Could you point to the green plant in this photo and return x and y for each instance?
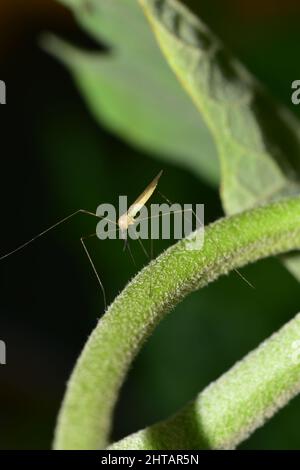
(258, 145)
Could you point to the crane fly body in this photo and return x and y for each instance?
(128, 218)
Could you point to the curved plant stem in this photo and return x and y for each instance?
(85, 418)
(230, 409)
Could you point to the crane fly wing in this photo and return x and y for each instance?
(143, 197)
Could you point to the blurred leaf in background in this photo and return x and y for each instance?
(132, 89)
(49, 299)
(258, 141)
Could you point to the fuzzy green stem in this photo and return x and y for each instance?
(85, 418)
(231, 408)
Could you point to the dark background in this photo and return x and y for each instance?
(56, 159)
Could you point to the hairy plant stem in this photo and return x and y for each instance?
(86, 414)
(227, 411)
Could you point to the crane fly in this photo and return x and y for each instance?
(123, 223)
(128, 218)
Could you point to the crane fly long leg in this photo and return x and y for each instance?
(82, 240)
(129, 251)
(151, 240)
(44, 232)
(143, 248)
(164, 213)
(235, 269)
(65, 219)
(151, 255)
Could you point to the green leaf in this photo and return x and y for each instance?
(226, 412)
(258, 141)
(292, 262)
(131, 89)
(259, 151)
(86, 414)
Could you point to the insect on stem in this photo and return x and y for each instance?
(128, 218)
(122, 225)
